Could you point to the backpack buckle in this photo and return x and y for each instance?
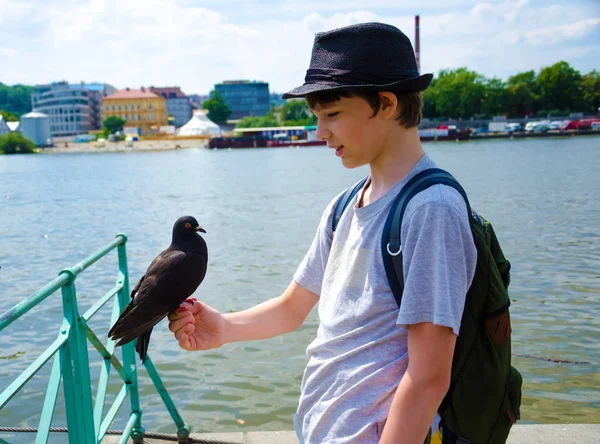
(396, 253)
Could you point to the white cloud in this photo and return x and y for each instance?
(7, 52)
(165, 42)
(557, 34)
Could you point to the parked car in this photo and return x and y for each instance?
(583, 124)
(513, 127)
(481, 130)
(572, 125)
(537, 127)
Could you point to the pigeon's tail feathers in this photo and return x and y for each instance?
(116, 330)
(129, 329)
(134, 321)
(126, 339)
(141, 345)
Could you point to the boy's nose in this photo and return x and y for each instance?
(322, 133)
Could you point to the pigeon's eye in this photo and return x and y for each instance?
(188, 225)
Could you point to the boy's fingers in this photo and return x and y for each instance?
(180, 321)
(179, 311)
(184, 342)
(184, 331)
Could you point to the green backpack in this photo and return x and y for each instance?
(485, 390)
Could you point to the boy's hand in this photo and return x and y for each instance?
(197, 326)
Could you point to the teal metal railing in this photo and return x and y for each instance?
(85, 420)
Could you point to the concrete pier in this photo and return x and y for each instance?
(520, 434)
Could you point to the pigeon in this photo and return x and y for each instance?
(171, 279)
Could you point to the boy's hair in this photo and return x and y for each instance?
(410, 104)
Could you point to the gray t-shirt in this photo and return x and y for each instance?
(360, 353)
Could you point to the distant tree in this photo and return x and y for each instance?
(269, 120)
(495, 99)
(16, 143)
(460, 93)
(521, 99)
(429, 101)
(112, 124)
(249, 122)
(296, 113)
(590, 88)
(559, 87)
(9, 117)
(527, 77)
(16, 99)
(295, 109)
(218, 111)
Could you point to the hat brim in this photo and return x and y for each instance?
(415, 84)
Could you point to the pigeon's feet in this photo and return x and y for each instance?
(189, 301)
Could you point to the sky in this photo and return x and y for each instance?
(197, 43)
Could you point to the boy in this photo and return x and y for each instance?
(360, 385)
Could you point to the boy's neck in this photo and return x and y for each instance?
(394, 163)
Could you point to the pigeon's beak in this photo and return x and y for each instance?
(200, 229)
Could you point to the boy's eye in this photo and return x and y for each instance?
(330, 115)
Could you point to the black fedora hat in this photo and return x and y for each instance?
(366, 56)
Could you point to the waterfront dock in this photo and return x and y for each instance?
(520, 434)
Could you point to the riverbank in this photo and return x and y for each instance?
(175, 144)
(525, 135)
(122, 146)
(520, 434)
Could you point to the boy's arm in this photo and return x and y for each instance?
(199, 327)
(422, 388)
(271, 318)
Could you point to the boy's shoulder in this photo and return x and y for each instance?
(442, 197)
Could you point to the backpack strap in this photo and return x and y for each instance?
(391, 247)
(343, 202)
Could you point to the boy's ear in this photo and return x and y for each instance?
(389, 104)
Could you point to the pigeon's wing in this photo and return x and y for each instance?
(171, 278)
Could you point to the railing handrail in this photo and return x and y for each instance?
(71, 363)
(14, 313)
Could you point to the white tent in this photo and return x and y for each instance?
(199, 125)
(14, 126)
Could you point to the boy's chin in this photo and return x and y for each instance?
(351, 164)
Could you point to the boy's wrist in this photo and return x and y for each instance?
(228, 328)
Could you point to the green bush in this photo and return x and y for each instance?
(557, 113)
(16, 143)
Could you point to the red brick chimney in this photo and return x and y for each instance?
(417, 43)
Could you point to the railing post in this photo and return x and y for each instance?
(128, 350)
(76, 371)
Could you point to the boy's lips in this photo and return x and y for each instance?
(338, 150)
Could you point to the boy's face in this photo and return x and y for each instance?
(349, 127)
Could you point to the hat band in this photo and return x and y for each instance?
(329, 76)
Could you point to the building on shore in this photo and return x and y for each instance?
(96, 92)
(36, 127)
(245, 97)
(198, 99)
(72, 108)
(139, 108)
(179, 107)
(4, 128)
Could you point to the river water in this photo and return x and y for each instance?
(260, 208)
